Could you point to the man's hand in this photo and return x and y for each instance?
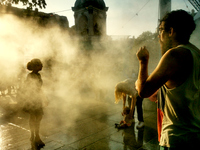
(143, 57)
(143, 54)
(153, 97)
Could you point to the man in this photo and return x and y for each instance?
(177, 76)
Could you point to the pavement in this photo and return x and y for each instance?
(78, 125)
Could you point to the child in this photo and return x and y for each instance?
(127, 121)
(33, 104)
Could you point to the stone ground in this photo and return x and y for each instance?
(78, 125)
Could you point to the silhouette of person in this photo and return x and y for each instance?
(34, 104)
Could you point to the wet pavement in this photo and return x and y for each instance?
(79, 125)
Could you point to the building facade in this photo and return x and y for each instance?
(41, 18)
(90, 17)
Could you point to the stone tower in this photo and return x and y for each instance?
(90, 17)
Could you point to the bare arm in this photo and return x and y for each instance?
(153, 97)
(172, 70)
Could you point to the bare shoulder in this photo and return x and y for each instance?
(180, 53)
(178, 57)
(181, 61)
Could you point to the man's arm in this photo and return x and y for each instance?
(153, 97)
(172, 70)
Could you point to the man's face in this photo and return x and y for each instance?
(164, 39)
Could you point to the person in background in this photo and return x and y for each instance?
(34, 98)
(177, 76)
(122, 89)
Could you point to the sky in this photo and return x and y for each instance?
(124, 17)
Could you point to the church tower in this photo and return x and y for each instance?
(90, 17)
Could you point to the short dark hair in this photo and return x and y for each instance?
(182, 23)
(31, 65)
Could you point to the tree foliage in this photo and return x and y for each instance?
(151, 41)
(146, 37)
(29, 3)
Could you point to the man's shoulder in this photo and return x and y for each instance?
(179, 50)
(188, 47)
(180, 53)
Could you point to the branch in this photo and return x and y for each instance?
(29, 3)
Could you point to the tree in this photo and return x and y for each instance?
(151, 41)
(146, 37)
(29, 3)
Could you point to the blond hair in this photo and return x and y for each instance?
(126, 87)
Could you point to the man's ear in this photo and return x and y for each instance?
(171, 31)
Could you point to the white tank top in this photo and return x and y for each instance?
(181, 105)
